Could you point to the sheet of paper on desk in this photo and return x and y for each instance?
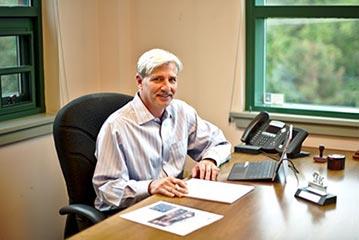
(216, 191)
(171, 217)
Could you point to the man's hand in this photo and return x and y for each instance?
(205, 169)
(168, 186)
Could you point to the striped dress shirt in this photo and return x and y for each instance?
(133, 148)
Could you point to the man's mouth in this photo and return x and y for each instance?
(165, 95)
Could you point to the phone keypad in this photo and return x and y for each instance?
(264, 140)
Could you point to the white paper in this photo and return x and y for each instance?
(171, 217)
(216, 191)
(309, 196)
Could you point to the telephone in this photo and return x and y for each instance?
(264, 134)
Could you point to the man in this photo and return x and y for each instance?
(141, 148)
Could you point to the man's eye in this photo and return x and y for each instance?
(156, 79)
(173, 80)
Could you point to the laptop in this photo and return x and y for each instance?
(264, 170)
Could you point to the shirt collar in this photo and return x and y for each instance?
(143, 115)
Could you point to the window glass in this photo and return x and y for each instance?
(15, 89)
(10, 85)
(9, 51)
(303, 59)
(21, 75)
(312, 62)
(15, 51)
(13, 3)
(312, 2)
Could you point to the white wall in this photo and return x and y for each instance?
(101, 41)
(204, 35)
(32, 190)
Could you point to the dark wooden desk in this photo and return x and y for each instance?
(269, 212)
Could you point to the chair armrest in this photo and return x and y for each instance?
(86, 211)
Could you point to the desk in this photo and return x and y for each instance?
(270, 211)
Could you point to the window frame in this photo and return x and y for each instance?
(256, 13)
(25, 21)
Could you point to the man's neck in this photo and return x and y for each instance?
(158, 114)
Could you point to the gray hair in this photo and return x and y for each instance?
(154, 58)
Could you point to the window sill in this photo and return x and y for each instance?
(25, 128)
(314, 125)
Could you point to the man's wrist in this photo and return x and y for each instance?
(149, 187)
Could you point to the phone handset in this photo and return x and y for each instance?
(255, 124)
(266, 135)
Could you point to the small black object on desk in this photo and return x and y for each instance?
(320, 158)
(356, 155)
(316, 191)
(336, 161)
(241, 148)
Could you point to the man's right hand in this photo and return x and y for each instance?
(168, 186)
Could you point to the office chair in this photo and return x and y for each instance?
(75, 130)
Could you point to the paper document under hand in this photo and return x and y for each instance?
(216, 191)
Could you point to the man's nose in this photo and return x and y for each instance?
(166, 85)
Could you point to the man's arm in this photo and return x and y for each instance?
(209, 147)
(111, 180)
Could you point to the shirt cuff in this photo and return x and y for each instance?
(142, 188)
(211, 159)
(220, 154)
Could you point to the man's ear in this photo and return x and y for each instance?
(139, 81)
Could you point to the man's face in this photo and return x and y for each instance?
(158, 89)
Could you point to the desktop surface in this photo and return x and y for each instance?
(270, 211)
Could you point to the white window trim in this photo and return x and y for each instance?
(16, 130)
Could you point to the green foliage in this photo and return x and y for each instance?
(309, 2)
(8, 58)
(14, 2)
(313, 61)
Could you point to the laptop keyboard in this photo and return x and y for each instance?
(259, 169)
(254, 170)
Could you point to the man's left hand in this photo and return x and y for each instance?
(205, 169)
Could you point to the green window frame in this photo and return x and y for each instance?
(256, 14)
(22, 24)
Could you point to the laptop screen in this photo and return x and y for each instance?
(281, 164)
(288, 138)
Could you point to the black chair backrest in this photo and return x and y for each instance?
(75, 130)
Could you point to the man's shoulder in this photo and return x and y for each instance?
(180, 108)
(121, 115)
(180, 104)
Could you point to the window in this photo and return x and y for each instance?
(303, 57)
(21, 76)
